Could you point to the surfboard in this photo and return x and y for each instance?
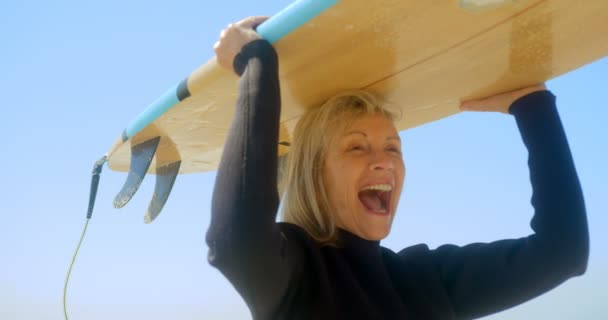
(422, 56)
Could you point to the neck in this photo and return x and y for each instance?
(347, 239)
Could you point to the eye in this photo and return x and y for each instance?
(355, 147)
(394, 149)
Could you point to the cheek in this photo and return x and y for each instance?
(336, 177)
(338, 180)
(331, 180)
(400, 175)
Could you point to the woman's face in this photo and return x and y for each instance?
(363, 176)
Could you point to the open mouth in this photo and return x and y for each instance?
(376, 198)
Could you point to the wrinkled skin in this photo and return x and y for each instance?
(368, 153)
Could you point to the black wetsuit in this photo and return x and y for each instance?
(282, 273)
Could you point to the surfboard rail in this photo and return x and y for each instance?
(143, 152)
(423, 56)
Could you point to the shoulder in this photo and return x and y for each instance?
(296, 241)
(416, 251)
(294, 232)
(420, 259)
(416, 255)
(415, 274)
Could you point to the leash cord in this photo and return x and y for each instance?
(92, 195)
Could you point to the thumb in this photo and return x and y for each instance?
(469, 105)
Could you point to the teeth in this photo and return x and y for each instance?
(380, 187)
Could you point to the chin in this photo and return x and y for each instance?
(377, 235)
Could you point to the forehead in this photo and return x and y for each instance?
(372, 124)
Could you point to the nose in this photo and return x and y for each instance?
(382, 161)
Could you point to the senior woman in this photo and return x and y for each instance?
(344, 177)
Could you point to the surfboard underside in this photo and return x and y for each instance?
(423, 57)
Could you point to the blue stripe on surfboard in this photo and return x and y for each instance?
(272, 30)
(152, 112)
(291, 18)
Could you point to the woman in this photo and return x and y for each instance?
(342, 187)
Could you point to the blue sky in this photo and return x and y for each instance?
(74, 73)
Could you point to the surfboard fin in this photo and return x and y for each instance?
(141, 157)
(165, 178)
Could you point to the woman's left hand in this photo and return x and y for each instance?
(500, 102)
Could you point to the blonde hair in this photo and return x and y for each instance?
(305, 198)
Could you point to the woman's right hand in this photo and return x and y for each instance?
(233, 38)
(500, 102)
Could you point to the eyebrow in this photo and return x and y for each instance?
(365, 135)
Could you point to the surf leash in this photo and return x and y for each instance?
(92, 196)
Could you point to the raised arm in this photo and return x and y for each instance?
(485, 278)
(244, 241)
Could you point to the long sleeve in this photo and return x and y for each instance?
(484, 278)
(244, 241)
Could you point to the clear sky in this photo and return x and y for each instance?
(73, 73)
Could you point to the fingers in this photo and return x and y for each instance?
(465, 106)
(500, 102)
(252, 22)
(476, 105)
(539, 87)
(247, 23)
(234, 37)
